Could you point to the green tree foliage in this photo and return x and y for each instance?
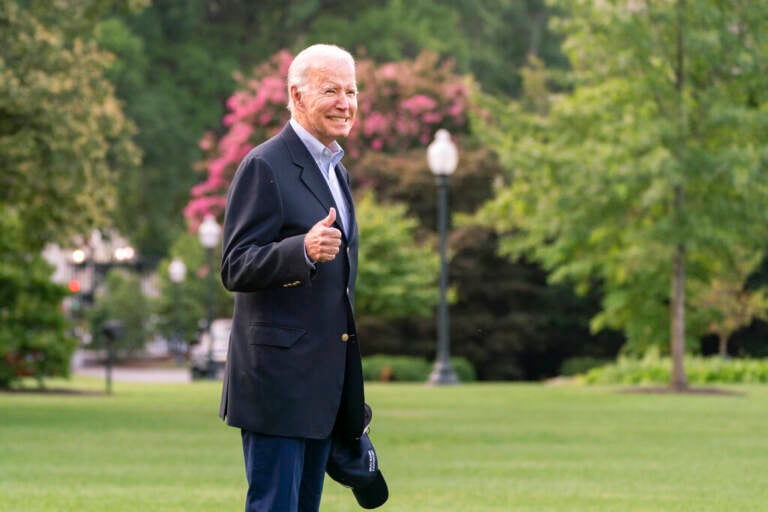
(63, 136)
(398, 277)
(173, 85)
(121, 299)
(509, 321)
(191, 293)
(490, 39)
(728, 303)
(33, 330)
(655, 162)
(500, 36)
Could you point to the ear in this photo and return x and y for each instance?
(296, 97)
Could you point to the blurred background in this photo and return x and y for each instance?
(610, 196)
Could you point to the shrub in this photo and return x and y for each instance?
(410, 369)
(699, 370)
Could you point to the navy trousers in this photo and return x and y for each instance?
(284, 474)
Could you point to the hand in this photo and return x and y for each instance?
(322, 242)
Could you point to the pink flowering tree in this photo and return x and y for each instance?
(401, 105)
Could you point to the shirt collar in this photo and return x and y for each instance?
(324, 156)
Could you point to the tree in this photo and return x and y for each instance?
(729, 303)
(499, 37)
(33, 330)
(398, 277)
(651, 165)
(63, 136)
(192, 292)
(121, 299)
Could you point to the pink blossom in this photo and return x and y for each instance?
(419, 103)
(216, 167)
(388, 71)
(376, 122)
(229, 119)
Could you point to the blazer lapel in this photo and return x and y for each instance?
(310, 175)
(341, 173)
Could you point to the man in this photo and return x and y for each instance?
(293, 377)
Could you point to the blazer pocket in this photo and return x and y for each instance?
(274, 336)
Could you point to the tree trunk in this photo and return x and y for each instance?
(677, 304)
(722, 346)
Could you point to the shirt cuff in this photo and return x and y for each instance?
(306, 257)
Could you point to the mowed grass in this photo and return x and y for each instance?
(481, 447)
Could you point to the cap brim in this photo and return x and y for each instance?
(374, 494)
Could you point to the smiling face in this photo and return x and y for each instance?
(326, 106)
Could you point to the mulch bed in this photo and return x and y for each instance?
(667, 390)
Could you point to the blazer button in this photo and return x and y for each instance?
(345, 337)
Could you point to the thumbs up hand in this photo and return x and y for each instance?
(322, 242)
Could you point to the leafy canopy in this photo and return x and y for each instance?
(63, 135)
(593, 172)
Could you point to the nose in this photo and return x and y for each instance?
(344, 101)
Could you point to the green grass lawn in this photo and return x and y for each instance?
(482, 447)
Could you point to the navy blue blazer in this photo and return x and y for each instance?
(294, 363)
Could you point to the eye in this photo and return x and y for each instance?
(352, 93)
(329, 91)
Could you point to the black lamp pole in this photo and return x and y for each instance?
(442, 157)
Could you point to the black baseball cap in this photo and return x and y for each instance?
(353, 463)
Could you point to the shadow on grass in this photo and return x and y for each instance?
(53, 391)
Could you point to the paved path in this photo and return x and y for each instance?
(128, 374)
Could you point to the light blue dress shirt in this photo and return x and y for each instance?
(326, 158)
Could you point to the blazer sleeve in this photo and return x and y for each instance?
(255, 256)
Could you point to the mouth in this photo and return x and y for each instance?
(338, 119)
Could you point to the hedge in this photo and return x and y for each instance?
(699, 370)
(410, 368)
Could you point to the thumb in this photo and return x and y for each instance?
(330, 219)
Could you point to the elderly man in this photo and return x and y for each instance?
(293, 377)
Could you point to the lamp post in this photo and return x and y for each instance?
(442, 157)
(177, 270)
(98, 256)
(209, 233)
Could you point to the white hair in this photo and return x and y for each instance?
(307, 59)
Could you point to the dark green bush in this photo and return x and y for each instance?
(578, 365)
(410, 368)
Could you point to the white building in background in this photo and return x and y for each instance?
(79, 261)
(76, 267)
